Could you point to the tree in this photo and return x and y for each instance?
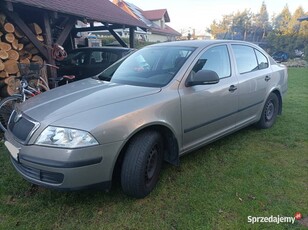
(285, 32)
(262, 23)
(294, 25)
(281, 24)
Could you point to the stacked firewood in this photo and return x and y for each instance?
(15, 48)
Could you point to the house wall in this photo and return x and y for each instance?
(160, 23)
(159, 38)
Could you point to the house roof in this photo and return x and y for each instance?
(156, 14)
(96, 10)
(166, 31)
(147, 17)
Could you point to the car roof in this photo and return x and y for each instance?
(203, 43)
(102, 48)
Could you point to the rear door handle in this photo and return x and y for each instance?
(267, 78)
(232, 88)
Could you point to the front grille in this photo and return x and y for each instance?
(22, 127)
(37, 174)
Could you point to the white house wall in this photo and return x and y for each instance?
(159, 38)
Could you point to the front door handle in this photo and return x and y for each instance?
(267, 78)
(232, 88)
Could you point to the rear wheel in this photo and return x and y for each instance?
(269, 112)
(142, 164)
(7, 105)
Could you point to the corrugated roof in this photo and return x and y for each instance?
(97, 10)
(156, 14)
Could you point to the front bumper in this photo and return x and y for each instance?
(64, 169)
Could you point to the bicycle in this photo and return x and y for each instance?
(31, 84)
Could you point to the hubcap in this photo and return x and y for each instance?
(151, 164)
(269, 112)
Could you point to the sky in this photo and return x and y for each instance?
(186, 15)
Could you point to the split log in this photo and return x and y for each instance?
(18, 33)
(9, 37)
(5, 46)
(6, 91)
(9, 27)
(36, 29)
(13, 55)
(3, 74)
(40, 38)
(15, 44)
(31, 49)
(24, 54)
(25, 61)
(37, 59)
(11, 82)
(20, 46)
(10, 66)
(1, 65)
(4, 55)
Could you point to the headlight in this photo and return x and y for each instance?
(65, 138)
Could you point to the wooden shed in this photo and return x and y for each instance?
(29, 29)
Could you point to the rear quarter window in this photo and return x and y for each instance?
(262, 60)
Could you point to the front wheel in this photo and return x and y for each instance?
(142, 164)
(7, 105)
(269, 112)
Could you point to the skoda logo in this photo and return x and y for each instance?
(17, 117)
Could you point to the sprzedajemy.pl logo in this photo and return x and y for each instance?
(274, 219)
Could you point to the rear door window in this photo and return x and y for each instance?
(246, 60)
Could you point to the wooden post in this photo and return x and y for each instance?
(132, 37)
(117, 37)
(52, 71)
(66, 31)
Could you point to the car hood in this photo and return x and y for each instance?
(80, 96)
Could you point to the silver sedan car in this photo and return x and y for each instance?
(159, 103)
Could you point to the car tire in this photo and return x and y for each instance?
(142, 164)
(269, 112)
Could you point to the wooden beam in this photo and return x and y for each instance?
(26, 30)
(132, 37)
(97, 28)
(50, 60)
(118, 38)
(66, 31)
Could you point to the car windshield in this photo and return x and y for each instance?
(151, 66)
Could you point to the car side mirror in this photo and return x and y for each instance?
(203, 77)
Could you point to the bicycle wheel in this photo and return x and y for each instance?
(7, 105)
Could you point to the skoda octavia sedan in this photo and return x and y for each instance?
(157, 104)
